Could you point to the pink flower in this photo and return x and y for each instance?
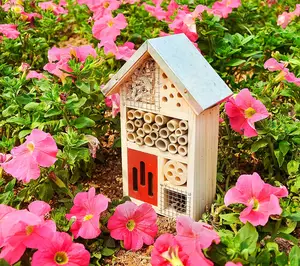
(57, 9)
(5, 157)
(60, 250)
(271, 2)
(24, 67)
(87, 209)
(108, 28)
(114, 102)
(4, 210)
(194, 236)
(156, 11)
(284, 19)
(124, 51)
(230, 263)
(39, 149)
(272, 65)
(290, 77)
(244, 111)
(261, 199)
(30, 16)
(82, 52)
(103, 7)
(133, 224)
(22, 228)
(224, 8)
(33, 74)
(9, 31)
(167, 252)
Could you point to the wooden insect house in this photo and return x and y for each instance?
(169, 97)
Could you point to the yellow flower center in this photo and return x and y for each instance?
(171, 255)
(130, 225)
(88, 217)
(110, 23)
(29, 230)
(17, 9)
(61, 258)
(106, 4)
(30, 146)
(249, 112)
(255, 204)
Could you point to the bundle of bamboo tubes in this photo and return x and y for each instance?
(162, 132)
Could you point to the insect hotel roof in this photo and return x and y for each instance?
(194, 77)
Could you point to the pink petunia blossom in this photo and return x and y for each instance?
(243, 111)
(87, 209)
(133, 224)
(167, 252)
(156, 11)
(4, 210)
(60, 250)
(108, 28)
(224, 8)
(230, 263)
(290, 77)
(60, 57)
(261, 199)
(5, 157)
(30, 16)
(285, 18)
(39, 149)
(9, 30)
(272, 65)
(34, 75)
(22, 229)
(104, 7)
(24, 67)
(194, 236)
(56, 9)
(113, 101)
(124, 51)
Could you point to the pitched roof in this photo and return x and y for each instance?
(184, 65)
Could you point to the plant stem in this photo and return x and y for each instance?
(228, 133)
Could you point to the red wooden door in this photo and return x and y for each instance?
(142, 176)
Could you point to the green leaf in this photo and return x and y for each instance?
(231, 218)
(292, 167)
(9, 111)
(10, 185)
(294, 256)
(53, 112)
(279, 156)
(85, 87)
(259, 144)
(24, 133)
(83, 122)
(45, 191)
(19, 121)
(263, 259)
(289, 238)
(246, 239)
(31, 106)
(107, 252)
(235, 62)
(4, 263)
(284, 147)
(282, 259)
(24, 99)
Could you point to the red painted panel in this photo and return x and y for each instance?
(142, 176)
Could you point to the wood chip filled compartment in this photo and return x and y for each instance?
(155, 130)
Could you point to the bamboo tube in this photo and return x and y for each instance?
(140, 132)
(173, 138)
(183, 140)
(139, 140)
(173, 124)
(148, 141)
(156, 127)
(131, 136)
(130, 114)
(164, 133)
(130, 127)
(161, 120)
(173, 148)
(184, 125)
(182, 150)
(154, 135)
(180, 132)
(149, 118)
(138, 122)
(139, 114)
(162, 144)
(147, 128)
